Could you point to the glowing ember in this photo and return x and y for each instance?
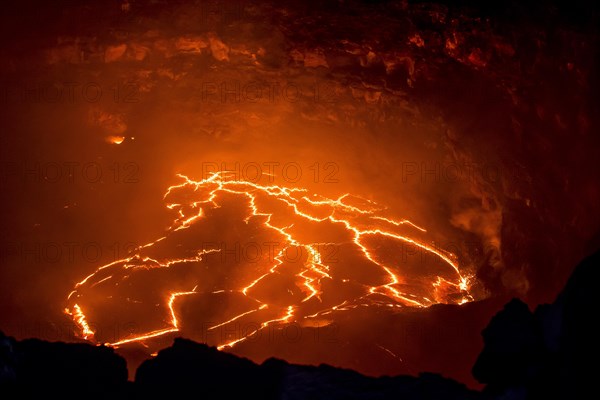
(346, 254)
(115, 139)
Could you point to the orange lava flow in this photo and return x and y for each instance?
(79, 318)
(359, 223)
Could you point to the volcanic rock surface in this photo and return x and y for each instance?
(476, 119)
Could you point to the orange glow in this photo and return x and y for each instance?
(79, 318)
(359, 223)
(115, 139)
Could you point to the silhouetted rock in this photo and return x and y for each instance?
(329, 383)
(578, 340)
(32, 367)
(7, 360)
(512, 348)
(189, 367)
(548, 353)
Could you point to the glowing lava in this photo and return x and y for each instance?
(115, 139)
(346, 255)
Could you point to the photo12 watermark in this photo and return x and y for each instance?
(70, 92)
(269, 171)
(69, 172)
(65, 252)
(237, 91)
(270, 252)
(455, 172)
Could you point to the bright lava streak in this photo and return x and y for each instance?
(358, 222)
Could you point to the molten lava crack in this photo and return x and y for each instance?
(346, 254)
